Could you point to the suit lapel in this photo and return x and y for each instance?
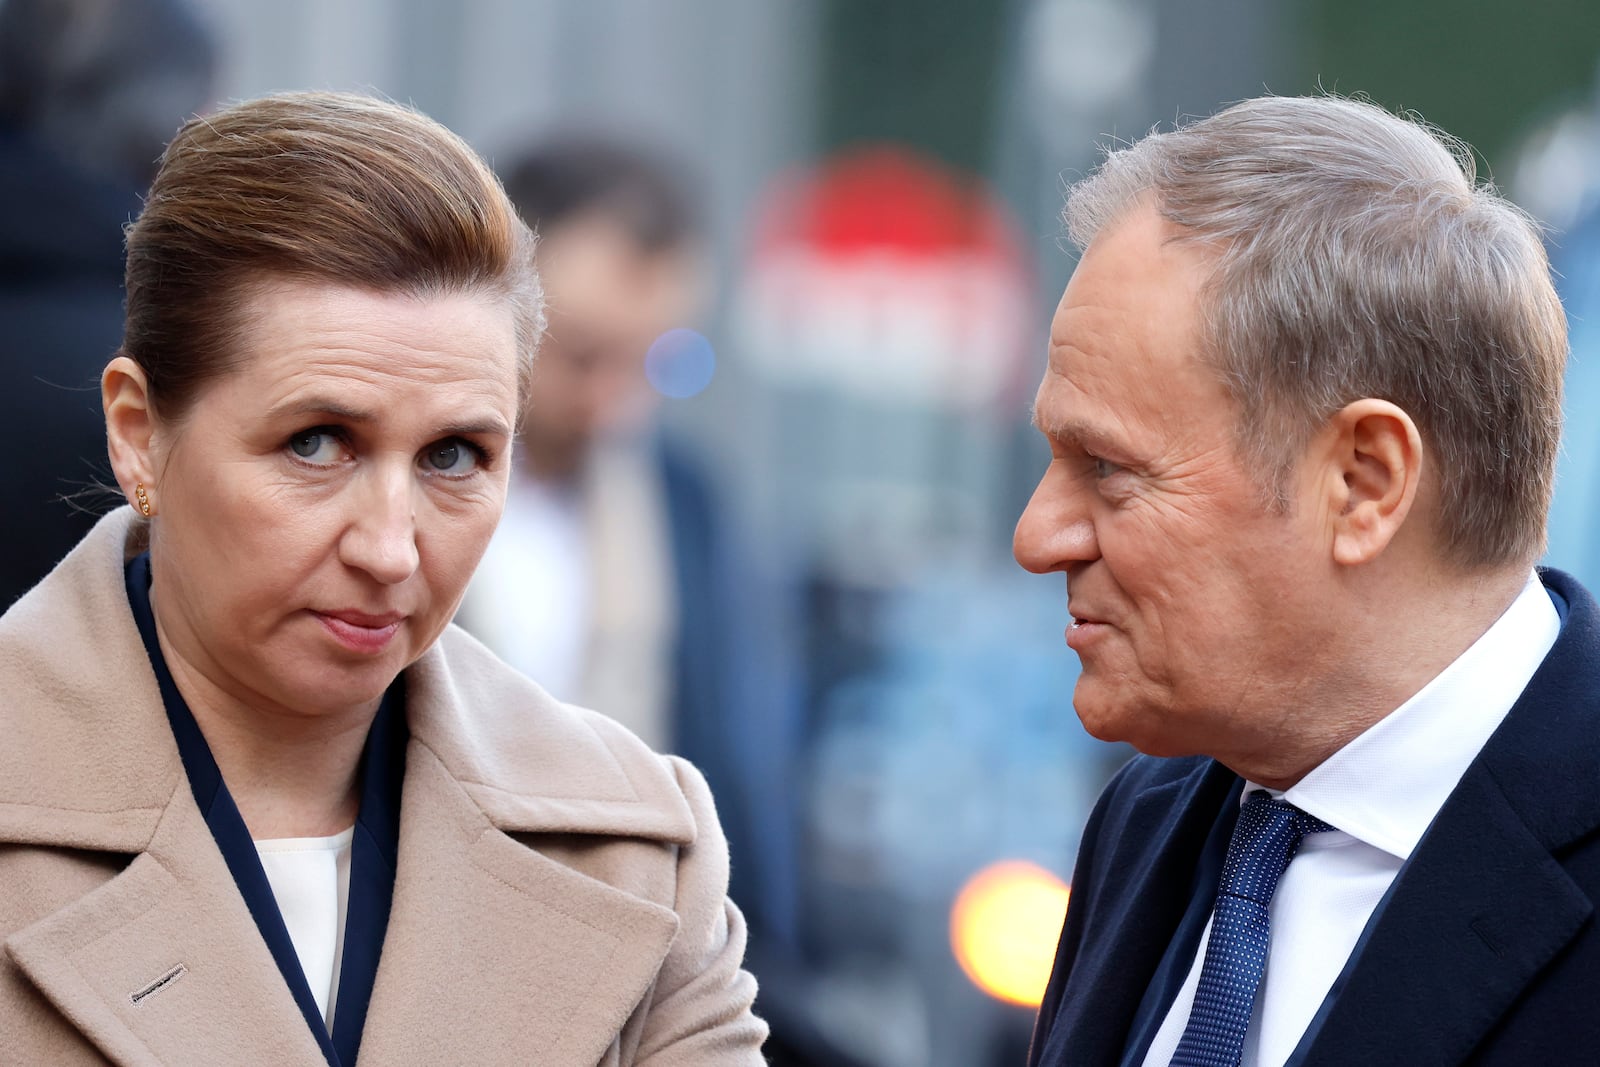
(1141, 892)
(1484, 905)
(163, 964)
(1467, 926)
(497, 949)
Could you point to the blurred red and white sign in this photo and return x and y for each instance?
(882, 273)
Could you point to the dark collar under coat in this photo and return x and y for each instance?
(1484, 950)
(374, 844)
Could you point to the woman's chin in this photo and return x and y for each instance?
(332, 693)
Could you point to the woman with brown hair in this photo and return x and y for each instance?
(259, 801)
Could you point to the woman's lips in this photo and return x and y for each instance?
(359, 631)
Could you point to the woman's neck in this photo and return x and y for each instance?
(289, 775)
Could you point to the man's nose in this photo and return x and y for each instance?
(1056, 529)
(381, 538)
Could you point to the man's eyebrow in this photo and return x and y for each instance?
(1059, 428)
(1073, 431)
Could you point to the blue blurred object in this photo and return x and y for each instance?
(1575, 512)
(680, 363)
(967, 733)
(948, 743)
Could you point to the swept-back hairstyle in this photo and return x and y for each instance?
(331, 187)
(1356, 255)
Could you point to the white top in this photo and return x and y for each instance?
(1381, 791)
(529, 600)
(310, 877)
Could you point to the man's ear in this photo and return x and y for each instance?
(130, 424)
(1373, 468)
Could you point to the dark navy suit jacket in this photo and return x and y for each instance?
(736, 696)
(1484, 951)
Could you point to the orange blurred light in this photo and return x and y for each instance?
(1003, 929)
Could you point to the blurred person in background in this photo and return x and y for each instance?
(259, 801)
(1303, 402)
(615, 577)
(607, 534)
(90, 90)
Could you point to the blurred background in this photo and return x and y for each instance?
(802, 258)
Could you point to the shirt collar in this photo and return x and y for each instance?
(1386, 786)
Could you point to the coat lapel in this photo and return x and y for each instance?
(163, 964)
(497, 948)
(494, 950)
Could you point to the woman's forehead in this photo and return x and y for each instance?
(316, 346)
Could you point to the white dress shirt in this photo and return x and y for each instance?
(310, 878)
(1380, 792)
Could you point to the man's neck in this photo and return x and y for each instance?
(1413, 633)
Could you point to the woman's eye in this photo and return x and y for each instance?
(318, 447)
(451, 457)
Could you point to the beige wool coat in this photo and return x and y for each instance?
(560, 896)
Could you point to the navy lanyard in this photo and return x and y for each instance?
(374, 846)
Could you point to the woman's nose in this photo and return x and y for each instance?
(381, 537)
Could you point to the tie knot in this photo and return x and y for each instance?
(1265, 839)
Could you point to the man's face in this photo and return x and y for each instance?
(1193, 601)
(608, 299)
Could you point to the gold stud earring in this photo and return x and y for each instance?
(144, 499)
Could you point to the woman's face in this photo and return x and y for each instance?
(320, 508)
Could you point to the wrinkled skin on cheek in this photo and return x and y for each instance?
(1195, 599)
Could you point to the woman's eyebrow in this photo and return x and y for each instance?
(488, 427)
(327, 407)
(318, 405)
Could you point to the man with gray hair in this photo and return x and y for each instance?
(1303, 407)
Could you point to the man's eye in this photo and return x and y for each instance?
(451, 457)
(320, 447)
(1104, 468)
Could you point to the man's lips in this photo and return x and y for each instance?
(1085, 629)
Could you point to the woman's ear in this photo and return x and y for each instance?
(130, 425)
(1376, 462)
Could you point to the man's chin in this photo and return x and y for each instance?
(1107, 718)
(1103, 722)
(1103, 711)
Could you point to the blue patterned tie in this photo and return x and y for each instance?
(1264, 841)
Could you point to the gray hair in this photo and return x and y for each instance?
(1357, 255)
